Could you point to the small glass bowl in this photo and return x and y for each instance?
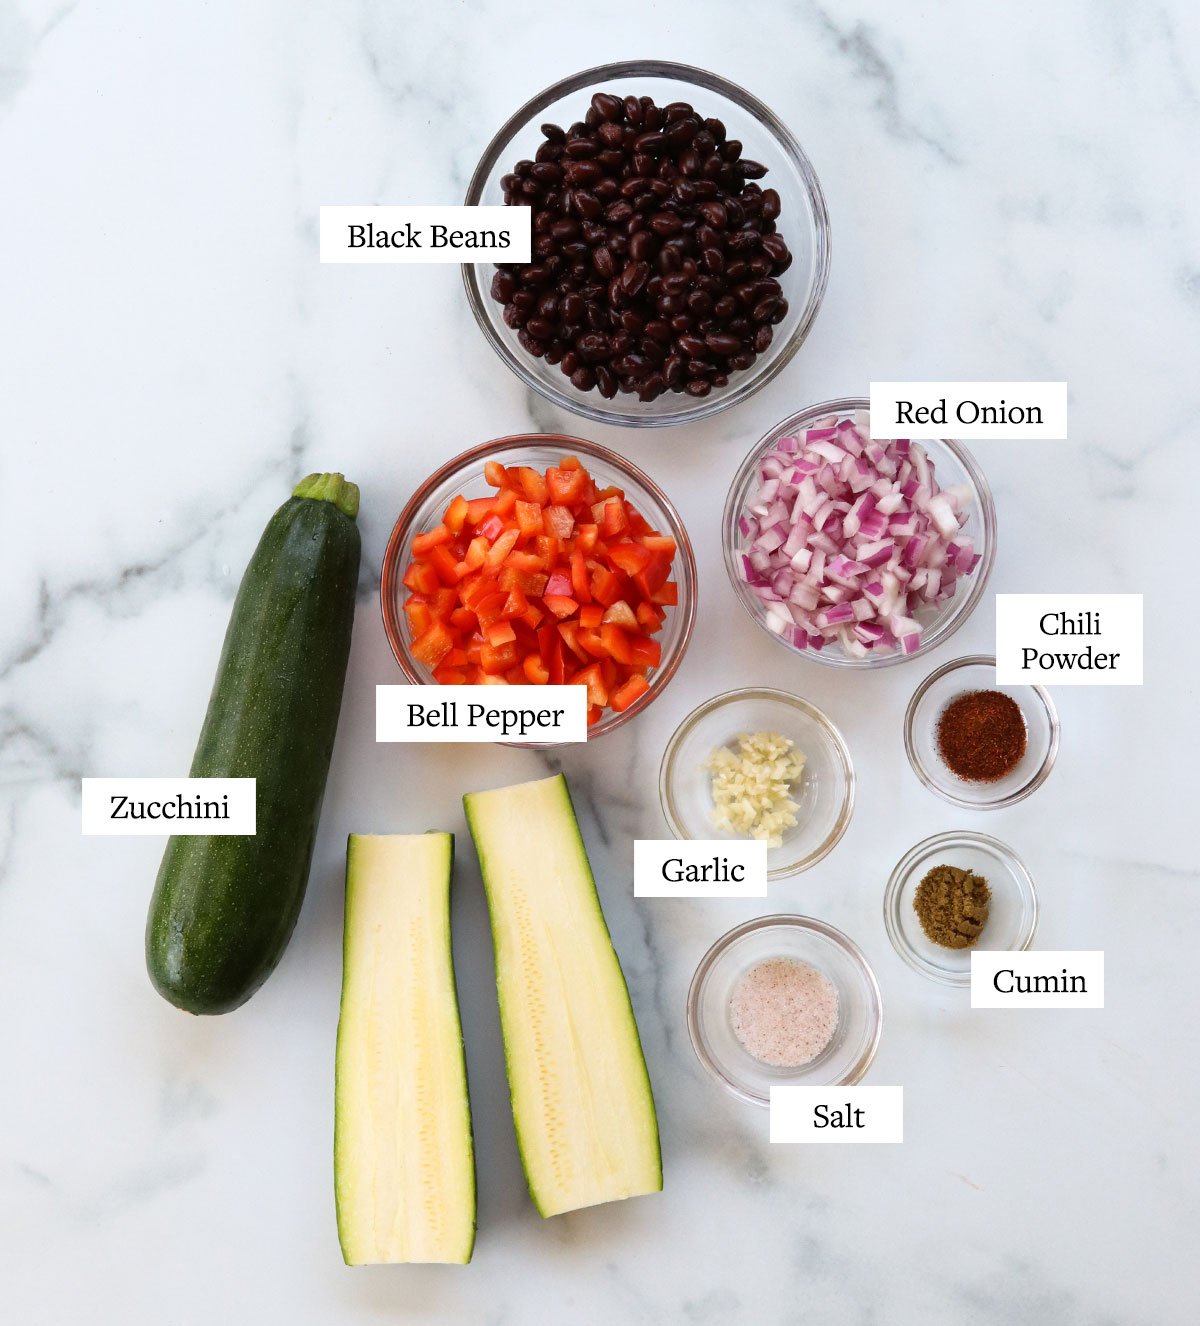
(978, 673)
(825, 795)
(955, 465)
(848, 1055)
(465, 474)
(803, 222)
(1012, 915)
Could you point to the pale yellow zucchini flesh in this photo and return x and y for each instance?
(581, 1095)
(403, 1156)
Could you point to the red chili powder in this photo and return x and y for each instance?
(981, 735)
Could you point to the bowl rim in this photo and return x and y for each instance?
(701, 711)
(926, 775)
(901, 871)
(784, 920)
(694, 409)
(960, 608)
(563, 442)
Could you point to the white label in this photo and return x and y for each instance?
(1028, 410)
(699, 868)
(1038, 979)
(522, 715)
(837, 1114)
(1069, 639)
(425, 234)
(144, 807)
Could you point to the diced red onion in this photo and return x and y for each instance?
(850, 541)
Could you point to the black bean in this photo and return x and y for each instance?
(742, 360)
(586, 204)
(641, 246)
(604, 262)
(593, 347)
(608, 107)
(504, 285)
(606, 381)
(770, 205)
(582, 172)
(583, 379)
(665, 223)
(542, 328)
(752, 170)
(723, 343)
(553, 133)
(698, 387)
(765, 310)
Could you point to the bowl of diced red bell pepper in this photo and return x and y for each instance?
(542, 559)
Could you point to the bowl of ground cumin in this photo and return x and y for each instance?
(956, 892)
(978, 744)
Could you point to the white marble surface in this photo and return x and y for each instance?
(1008, 192)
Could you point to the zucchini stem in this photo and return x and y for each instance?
(335, 488)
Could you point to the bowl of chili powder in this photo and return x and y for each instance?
(977, 744)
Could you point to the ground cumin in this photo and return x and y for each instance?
(952, 906)
(981, 735)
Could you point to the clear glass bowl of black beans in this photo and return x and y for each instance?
(680, 244)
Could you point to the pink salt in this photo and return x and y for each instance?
(784, 1012)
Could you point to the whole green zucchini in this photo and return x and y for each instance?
(224, 907)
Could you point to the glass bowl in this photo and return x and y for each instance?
(978, 673)
(843, 1062)
(803, 222)
(465, 474)
(955, 465)
(1012, 916)
(825, 794)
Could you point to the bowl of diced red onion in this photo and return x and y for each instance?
(854, 551)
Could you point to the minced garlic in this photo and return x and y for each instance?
(752, 785)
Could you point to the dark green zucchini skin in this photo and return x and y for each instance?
(224, 908)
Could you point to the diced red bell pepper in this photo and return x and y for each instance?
(536, 672)
(559, 521)
(420, 618)
(529, 519)
(628, 692)
(632, 558)
(560, 605)
(500, 633)
(493, 472)
(591, 615)
(501, 548)
(431, 646)
(647, 653)
(653, 575)
(421, 578)
(622, 615)
(618, 645)
(456, 514)
(565, 485)
(559, 584)
(533, 485)
(425, 543)
(593, 679)
(605, 586)
(496, 659)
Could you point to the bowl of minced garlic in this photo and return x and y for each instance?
(762, 765)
